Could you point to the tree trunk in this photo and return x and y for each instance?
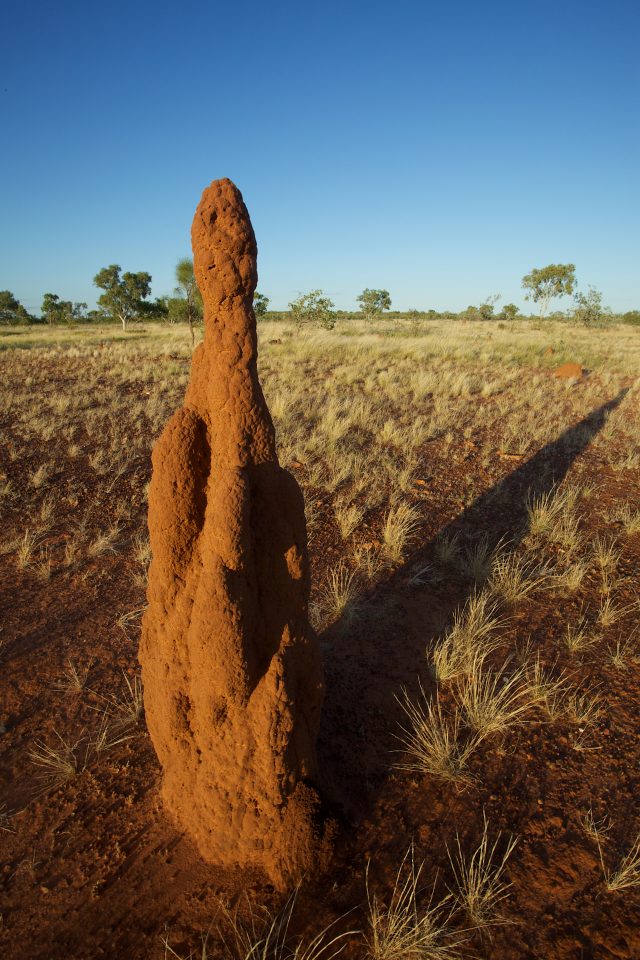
(190, 319)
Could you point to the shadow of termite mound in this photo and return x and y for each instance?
(233, 681)
(377, 650)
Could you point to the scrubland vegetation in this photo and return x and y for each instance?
(474, 528)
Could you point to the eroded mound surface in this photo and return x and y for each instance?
(232, 672)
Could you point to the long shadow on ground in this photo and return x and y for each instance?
(370, 657)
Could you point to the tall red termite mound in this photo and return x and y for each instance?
(232, 674)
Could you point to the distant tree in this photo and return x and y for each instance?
(487, 307)
(176, 308)
(11, 310)
(187, 305)
(50, 307)
(55, 310)
(260, 304)
(588, 308)
(8, 306)
(124, 296)
(373, 302)
(154, 309)
(313, 308)
(485, 311)
(547, 283)
(510, 311)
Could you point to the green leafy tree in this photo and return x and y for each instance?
(487, 307)
(187, 305)
(510, 311)
(482, 312)
(260, 304)
(11, 310)
(547, 283)
(50, 307)
(588, 308)
(55, 310)
(124, 296)
(154, 309)
(373, 302)
(313, 308)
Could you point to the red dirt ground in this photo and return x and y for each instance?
(93, 869)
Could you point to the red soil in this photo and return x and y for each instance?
(95, 869)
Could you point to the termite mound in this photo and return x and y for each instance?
(232, 674)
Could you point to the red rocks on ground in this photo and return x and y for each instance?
(232, 673)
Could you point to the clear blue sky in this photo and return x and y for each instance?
(439, 150)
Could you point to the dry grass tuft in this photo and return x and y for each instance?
(340, 591)
(479, 560)
(74, 678)
(609, 612)
(432, 744)
(624, 653)
(26, 547)
(129, 706)
(629, 518)
(105, 542)
(400, 527)
(627, 872)
(40, 476)
(142, 550)
(570, 578)
(592, 827)
(493, 702)
(470, 640)
(448, 549)
(582, 708)
(479, 879)
(513, 579)
(545, 690)
(578, 637)
(109, 735)
(400, 929)
(58, 763)
(544, 511)
(605, 555)
(265, 936)
(348, 517)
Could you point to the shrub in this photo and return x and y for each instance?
(313, 308)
